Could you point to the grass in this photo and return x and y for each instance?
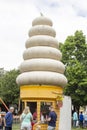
(78, 129)
(17, 127)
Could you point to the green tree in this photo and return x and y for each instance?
(74, 52)
(8, 88)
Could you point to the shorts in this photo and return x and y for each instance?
(50, 128)
(1, 127)
(26, 127)
(8, 128)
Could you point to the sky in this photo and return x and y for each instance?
(16, 18)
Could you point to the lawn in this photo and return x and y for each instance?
(79, 129)
(17, 127)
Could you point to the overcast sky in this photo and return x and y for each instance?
(16, 19)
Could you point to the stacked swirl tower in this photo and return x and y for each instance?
(42, 71)
(42, 57)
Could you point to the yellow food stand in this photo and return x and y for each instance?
(41, 80)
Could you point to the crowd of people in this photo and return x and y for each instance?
(79, 120)
(27, 119)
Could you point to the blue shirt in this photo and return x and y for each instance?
(53, 117)
(9, 119)
(81, 118)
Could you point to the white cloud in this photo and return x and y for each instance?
(16, 19)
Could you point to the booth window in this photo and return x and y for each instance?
(33, 106)
(45, 110)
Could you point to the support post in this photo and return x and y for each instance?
(25, 104)
(38, 110)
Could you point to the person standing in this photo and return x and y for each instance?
(1, 126)
(0, 110)
(75, 119)
(9, 119)
(26, 119)
(35, 115)
(51, 119)
(81, 118)
(85, 120)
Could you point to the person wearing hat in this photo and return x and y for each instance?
(9, 119)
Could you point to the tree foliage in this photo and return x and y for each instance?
(74, 52)
(9, 90)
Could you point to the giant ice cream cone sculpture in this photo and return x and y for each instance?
(41, 77)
